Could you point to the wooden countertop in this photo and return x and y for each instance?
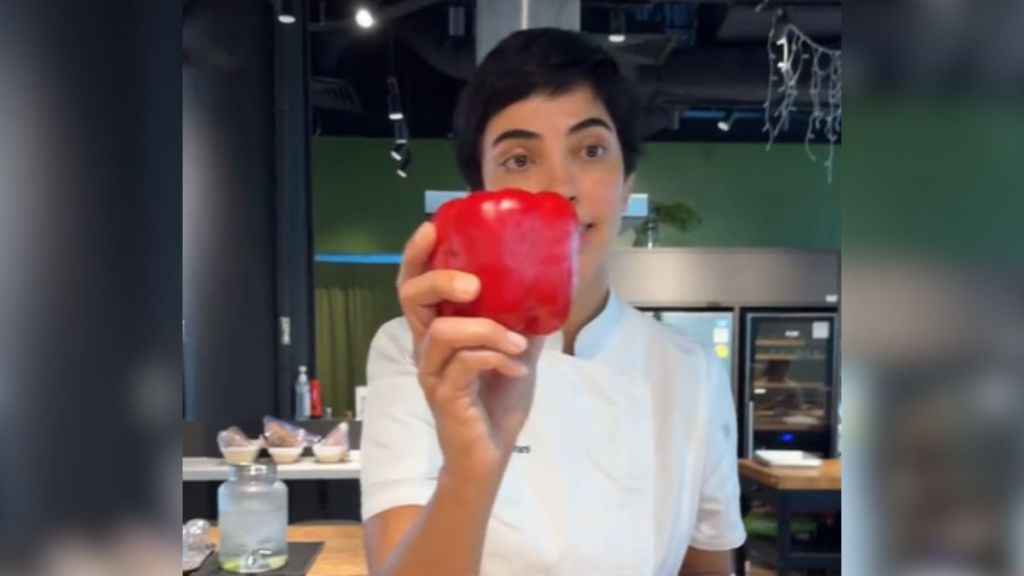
(828, 476)
(342, 554)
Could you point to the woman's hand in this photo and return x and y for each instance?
(478, 377)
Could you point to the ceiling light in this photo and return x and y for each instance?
(617, 26)
(394, 101)
(398, 152)
(364, 18)
(726, 124)
(285, 11)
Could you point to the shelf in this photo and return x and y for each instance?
(780, 342)
(769, 357)
(790, 385)
(787, 427)
(801, 555)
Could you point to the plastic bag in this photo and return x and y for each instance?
(334, 447)
(234, 438)
(279, 433)
(338, 436)
(195, 544)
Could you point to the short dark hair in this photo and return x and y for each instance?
(542, 61)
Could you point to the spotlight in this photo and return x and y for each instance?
(398, 152)
(401, 132)
(394, 101)
(403, 167)
(285, 11)
(618, 26)
(726, 124)
(364, 18)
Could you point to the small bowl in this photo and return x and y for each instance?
(328, 454)
(240, 454)
(286, 454)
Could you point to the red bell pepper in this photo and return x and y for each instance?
(524, 249)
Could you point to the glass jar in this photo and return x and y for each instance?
(252, 512)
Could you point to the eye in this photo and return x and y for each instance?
(516, 163)
(594, 151)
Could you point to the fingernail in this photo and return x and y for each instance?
(421, 229)
(517, 340)
(467, 286)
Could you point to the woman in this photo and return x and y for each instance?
(607, 448)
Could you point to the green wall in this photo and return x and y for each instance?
(745, 195)
(942, 179)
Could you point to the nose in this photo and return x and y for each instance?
(562, 181)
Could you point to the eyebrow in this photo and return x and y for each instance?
(590, 123)
(519, 134)
(515, 135)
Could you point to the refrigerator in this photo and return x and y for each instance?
(789, 382)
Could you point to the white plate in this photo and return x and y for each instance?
(786, 458)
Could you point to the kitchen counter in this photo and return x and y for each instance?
(307, 468)
(828, 476)
(791, 491)
(342, 554)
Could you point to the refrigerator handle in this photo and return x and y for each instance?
(750, 429)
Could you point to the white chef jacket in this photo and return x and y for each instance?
(628, 456)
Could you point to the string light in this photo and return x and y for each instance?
(791, 53)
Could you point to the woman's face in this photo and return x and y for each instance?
(565, 144)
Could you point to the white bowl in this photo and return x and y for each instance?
(286, 454)
(328, 454)
(240, 454)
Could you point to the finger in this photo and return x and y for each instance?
(534, 347)
(420, 294)
(416, 254)
(445, 336)
(466, 365)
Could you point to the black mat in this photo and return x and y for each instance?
(301, 556)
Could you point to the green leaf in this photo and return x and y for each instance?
(678, 215)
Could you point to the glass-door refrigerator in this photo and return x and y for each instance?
(789, 388)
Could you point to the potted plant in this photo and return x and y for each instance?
(678, 215)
